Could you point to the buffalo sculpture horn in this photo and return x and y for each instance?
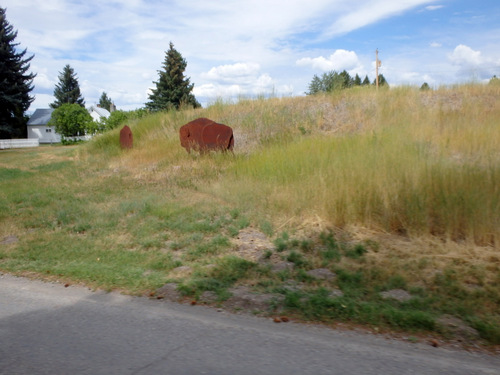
(205, 135)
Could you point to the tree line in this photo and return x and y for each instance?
(333, 81)
(173, 90)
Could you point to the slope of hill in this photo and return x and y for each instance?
(380, 208)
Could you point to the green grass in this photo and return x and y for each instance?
(391, 190)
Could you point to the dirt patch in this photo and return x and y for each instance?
(9, 240)
(252, 244)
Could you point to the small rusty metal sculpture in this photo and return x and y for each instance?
(126, 138)
(205, 135)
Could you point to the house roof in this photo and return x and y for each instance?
(102, 112)
(41, 116)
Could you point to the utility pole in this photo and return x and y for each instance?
(378, 63)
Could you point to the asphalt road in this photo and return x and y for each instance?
(46, 328)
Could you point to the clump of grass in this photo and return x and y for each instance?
(227, 271)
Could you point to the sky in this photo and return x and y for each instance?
(237, 48)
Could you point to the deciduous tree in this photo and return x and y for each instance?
(71, 120)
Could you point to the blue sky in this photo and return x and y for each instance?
(245, 48)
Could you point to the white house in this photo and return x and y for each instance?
(98, 113)
(38, 128)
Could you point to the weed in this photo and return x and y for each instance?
(267, 254)
(267, 228)
(356, 252)
(306, 245)
(297, 259)
(281, 242)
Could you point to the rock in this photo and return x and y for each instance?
(335, 293)
(457, 327)
(9, 240)
(251, 244)
(208, 297)
(397, 294)
(243, 299)
(322, 273)
(180, 271)
(168, 291)
(282, 266)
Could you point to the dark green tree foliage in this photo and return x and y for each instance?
(332, 81)
(381, 81)
(425, 87)
(105, 102)
(357, 80)
(16, 83)
(366, 81)
(67, 91)
(71, 120)
(173, 89)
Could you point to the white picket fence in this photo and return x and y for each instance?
(18, 143)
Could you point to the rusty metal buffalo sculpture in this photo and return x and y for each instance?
(204, 135)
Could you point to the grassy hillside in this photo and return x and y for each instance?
(391, 189)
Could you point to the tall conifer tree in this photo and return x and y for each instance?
(173, 89)
(67, 91)
(16, 83)
(105, 101)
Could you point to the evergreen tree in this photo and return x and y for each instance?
(357, 80)
(315, 86)
(15, 83)
(67, 91)
(346, 81)
(105, 102)
(425, 87)
(173, 89)
(330, 81)
(366, 81)
(381, 81)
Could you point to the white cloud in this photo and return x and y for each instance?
(339, 60)
(464, 55)
(435, 45)
(233, 80)
(433, 7)
(472, 64)
(355, 17)
(229, 73)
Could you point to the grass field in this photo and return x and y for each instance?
(396, 189)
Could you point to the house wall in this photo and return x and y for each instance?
(45, 134)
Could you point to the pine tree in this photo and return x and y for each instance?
(105, 102)
(425, 87)
(381, 81)
(315, 86)
(15, 83)
(357, 80)
(366, 81)
(347, 80)
(67, 91)
(173, 89)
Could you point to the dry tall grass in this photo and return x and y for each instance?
(401, 161)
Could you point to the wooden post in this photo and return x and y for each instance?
(378, 63)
